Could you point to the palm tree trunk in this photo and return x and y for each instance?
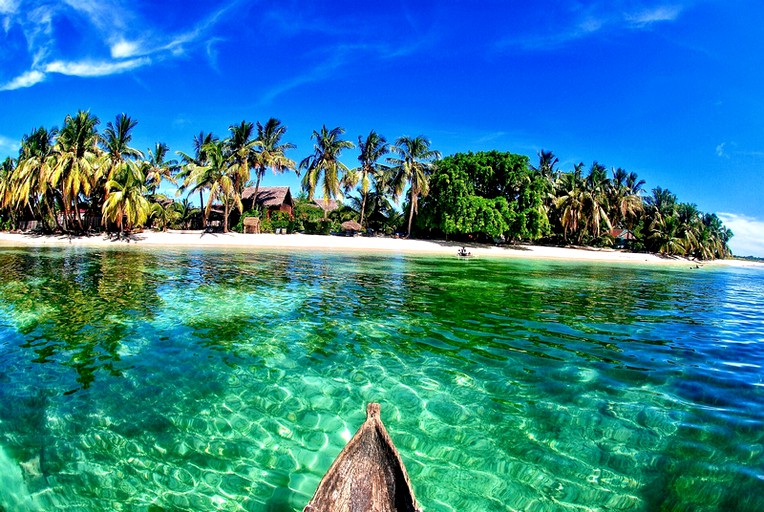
(411, 212)
(225, 216)
(363, 208)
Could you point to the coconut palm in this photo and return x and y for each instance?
(30, 180)
(191, 163)
(569, 201)
(220, 176)
(157, 168)
(240, 149)
(116, 144)
(595, 204)
(324, 163)
(372, 149)
(77, 159)
(126, 204)
(270, 152)
(412, 168)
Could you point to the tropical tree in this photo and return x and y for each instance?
(624, 198)
(240, 151)
(595, 200)
(372, 149)
(270, 152)
(157, 167)
(77, 159)
(28, 184)
(324, 163)
(220, 176)
(191, 164)
(411, 167)
(570, 200)
(126, 204)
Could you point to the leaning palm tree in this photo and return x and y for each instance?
(372, 149)
(270, 152)
(596, 187)
(157, 168)
(240, 150)
(220, 176)
(412, 168)
(324, 162)
(569, 202)
(192, 162)
(77, 160)
(30, 180)
(126, 204)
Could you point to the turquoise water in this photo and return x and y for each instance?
(201, 380)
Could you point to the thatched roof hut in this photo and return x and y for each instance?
(351, 225)
(273, 199)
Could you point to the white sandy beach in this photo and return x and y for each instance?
(150, 239)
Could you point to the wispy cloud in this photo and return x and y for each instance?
(27, 79)
(91, 68)
(116, 39)
(657, 14)
(729, 150)
(580, 23)
(749, 234)
(8, 145)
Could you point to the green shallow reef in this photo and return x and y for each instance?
(205, 380)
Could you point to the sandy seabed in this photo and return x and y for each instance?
(184, 239)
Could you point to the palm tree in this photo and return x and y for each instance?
(77, 158)
(549, 175)
(595, 205)
(412, 167)
(270, 152)
(30, 179)
(158, 168)
(191, 163)
(570, 201)
(372, 149)
(125, 203)
(240, 149)
(325, 162)
(220, 176)
(116, 140)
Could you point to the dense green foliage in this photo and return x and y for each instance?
(483, 194)
(76, 179)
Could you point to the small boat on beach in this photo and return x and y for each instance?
(368, 475)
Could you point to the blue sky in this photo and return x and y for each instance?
(671, 90)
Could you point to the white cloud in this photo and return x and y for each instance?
(112, 24)
(654, 15)
(123, 49)
(586, 22)
(92, 68)
(8, 6)
(8, 146)
(27, 79)
(749, 234)
(720, 150)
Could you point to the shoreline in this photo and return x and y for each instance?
(186, 239)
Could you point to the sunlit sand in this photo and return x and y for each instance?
(341, 243)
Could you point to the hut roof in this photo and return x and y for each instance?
(328, 206)
(351, 225)
(268, 196)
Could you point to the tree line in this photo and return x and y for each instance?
(494, 195)
(63, 177)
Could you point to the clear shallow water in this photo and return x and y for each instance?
(201, 380)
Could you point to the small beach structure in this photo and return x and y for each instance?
(351, 227)
(272, 199)
(367, 475)
(328, 206)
